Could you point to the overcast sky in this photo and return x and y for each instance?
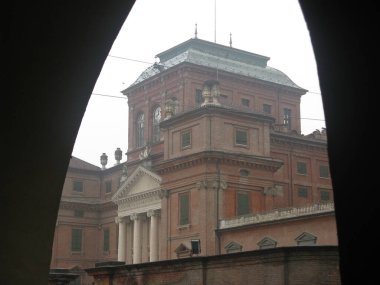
(273, 28)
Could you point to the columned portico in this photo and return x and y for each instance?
(139, 201)
(153, 238)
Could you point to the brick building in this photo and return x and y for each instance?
(216, 164)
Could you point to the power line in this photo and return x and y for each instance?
(105, 95)
(130, 59)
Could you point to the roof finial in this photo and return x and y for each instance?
(230, 39)
(196, 31)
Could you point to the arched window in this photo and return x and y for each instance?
(156, 124)
(140, 130)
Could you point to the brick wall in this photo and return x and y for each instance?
(290, 265)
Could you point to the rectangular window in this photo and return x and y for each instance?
(78, 186)
(184, 217)
(108, 187)
(267, 108)
(325, 195)
(324, 171)
(301, 168)
(106, 239)
(78, 213)
(288, 118)
(242, 203)
(302, 192)
(76, 239)
(241, 137)
(198, 97)
(245, 102)
(186, 140)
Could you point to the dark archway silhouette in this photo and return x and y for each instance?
(54, 54)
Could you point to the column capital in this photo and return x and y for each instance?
(152, 213)
(136, 216)
(119, 220)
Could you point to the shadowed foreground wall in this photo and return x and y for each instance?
(280, 266)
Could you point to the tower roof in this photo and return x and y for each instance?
(223, 58)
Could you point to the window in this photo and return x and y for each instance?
(108, 187)
(198, 97)
(324, 171)
(287, 118)
(325, 195)
(78, 213)
(241, 137)
(267, 108)
(106, 239)
(140, 130)
(186, 139)
(76, 239)
(184, 217)
(156, 124)
(244, 172)
(245, 102)
(242, 203)
(301, 168)
(78, 186)
(302, 192)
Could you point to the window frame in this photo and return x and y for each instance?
(327, 171)
(78, 182)
(183, 220)
(140, 125)
(243, 130)
(76, 241)
(106, 242)
(238, 209)
(269, 110)
(156, 124)
(183, 133)
(108, 184)
(298, 168)
(245, 102)
(303, 188)
(288, 118)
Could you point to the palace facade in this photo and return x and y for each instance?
(216, 164)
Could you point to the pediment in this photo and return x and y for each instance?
(140, 181)
(305, 237)
(267, 242)
(233, 246)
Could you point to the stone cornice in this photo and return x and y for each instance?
(242, 160)
(297, 141)
(278, 215)
(87, 206)
(212, 110)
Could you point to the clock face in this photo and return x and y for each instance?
(157, 114)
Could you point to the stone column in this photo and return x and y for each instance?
(122, 240)
(136, 238)
(153, 238)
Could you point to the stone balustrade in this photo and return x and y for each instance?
(278, 214)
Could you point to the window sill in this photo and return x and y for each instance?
(183, 227)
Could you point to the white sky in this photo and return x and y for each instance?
(273, 28)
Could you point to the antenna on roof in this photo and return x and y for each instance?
(230, 39)
(215, 21)
(196, 31)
